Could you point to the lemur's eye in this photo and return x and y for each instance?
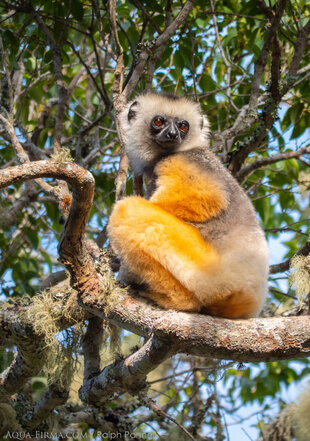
(158, 122)
(184, 126)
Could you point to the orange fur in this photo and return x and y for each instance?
(159, 247)
(186, 192)
(235, 305)
(196, 242)
(170, 256)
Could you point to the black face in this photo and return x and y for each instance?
(168, 132)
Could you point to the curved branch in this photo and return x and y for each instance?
(72, 251)
(242, 340)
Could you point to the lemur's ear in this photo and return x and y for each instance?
(132, 112)
(205, 127)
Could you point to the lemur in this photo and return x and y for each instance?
(194, 244)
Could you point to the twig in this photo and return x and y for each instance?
(261, 162)
(285, 266)
(153, 406)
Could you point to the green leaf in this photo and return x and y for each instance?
(33, 238)
(77, 10)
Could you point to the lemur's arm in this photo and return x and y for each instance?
(187, 193)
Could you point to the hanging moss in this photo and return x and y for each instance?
(64, 155)
(300, 277)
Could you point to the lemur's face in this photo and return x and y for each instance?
(167, 131)
(156, 126)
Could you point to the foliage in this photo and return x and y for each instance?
(210, 58)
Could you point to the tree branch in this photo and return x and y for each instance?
(72, 250)
(53, 397)
(161, 40)
(91, 347)
(127, 375)
(261, 162)
(148, 402)
(17, 328)
(251, 340)
(9, 216)
(300, 45)
(285, 266)
(261, 61)
(30, 356)
(22, 155)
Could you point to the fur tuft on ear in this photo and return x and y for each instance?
(205, 128)
(132, 112)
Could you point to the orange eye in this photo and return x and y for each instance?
(183, 127)
(158, 122)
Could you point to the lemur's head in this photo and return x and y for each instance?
(157, 126)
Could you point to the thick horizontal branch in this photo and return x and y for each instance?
(252, 340)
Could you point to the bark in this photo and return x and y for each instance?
(251, 340)
(72, 250)
(129, 374)
(17, 328)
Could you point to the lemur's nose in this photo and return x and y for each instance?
(172, 133)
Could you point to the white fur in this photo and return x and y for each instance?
(139, 142)
(242, 267)
(243, 263)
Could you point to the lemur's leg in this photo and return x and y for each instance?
(168, 254)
